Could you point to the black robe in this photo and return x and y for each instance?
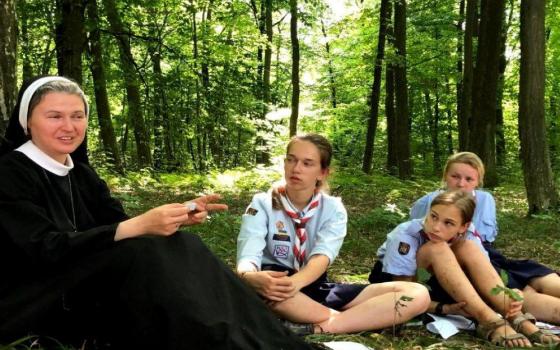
(71, 281)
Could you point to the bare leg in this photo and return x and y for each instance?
(543, 306)
(482, 274)
(549, 284)
(441, 260)
(373, 308)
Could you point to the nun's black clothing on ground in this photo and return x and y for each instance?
(71, 281)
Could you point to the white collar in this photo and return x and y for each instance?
(45, 161)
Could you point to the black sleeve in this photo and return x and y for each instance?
(27, 221)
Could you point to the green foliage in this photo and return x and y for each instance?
(512, 294)
(422, 277)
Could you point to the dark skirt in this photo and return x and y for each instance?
(143, 293)
(437, 293)
(519, 272)
(332, 295)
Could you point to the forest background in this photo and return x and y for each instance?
(194, 96)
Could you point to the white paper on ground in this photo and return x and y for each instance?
(346, 345)
(552, 328)
(449, 325)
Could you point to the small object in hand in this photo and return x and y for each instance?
(191, 206)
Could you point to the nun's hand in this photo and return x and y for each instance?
(199, 208)
(163, 220)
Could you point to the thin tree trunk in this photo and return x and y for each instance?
(8, 62)
(401, 89)
(295, 68)
(132, 84)
(332, 85)
(464, 119)
(106, 131)
(460, 36)
(376, 87)
(539, 182)
(500, 135)
(27, 69)
(392, 164)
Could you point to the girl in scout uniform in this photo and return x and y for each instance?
(290, 235)
(441, 244)
(540, 285)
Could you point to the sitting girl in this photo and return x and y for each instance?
(540, 285)
(442, 245)
(291, 234)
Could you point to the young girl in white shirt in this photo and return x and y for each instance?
(290, 235)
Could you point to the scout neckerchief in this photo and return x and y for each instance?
(300, 219)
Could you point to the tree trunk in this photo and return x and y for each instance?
(165, 158)
(106, 131)
(122, 35)
(70, 38)
(500, 134)
(482, 140)
(459, 64)
(464, 119)
(8, 61)
(267, 55)
(295, 68)
(27, 69)
(401, 89)
(392, 164)
(539, 182)
(376, 87)
(332, 85)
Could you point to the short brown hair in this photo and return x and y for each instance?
(462, 200)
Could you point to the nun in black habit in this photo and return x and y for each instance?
(74, 266)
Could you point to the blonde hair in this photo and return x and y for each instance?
(468, 158)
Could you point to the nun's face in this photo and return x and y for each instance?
(58, 124)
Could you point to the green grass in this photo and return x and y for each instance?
(375, 204)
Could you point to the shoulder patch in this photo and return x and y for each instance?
(404, 248)
(251, 211)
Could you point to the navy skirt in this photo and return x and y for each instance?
(520, 272)
(437, 293)
(332, 295)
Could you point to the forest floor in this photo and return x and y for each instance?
(375, 204)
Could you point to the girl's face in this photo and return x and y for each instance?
(443, 223)
(58, 124)
(302, 166)
(461, 177)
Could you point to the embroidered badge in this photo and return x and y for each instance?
(404, 248)
(281, 251)
(280, 226)
(281, 237)
(251, 211)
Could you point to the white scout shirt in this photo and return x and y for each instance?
(267, 235)
(398, 252)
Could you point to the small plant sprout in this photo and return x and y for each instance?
(503, 289)
(401, 302)
(508, 292)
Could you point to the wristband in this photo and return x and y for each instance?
(439, 309)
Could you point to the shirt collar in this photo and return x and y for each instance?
(45, 161)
